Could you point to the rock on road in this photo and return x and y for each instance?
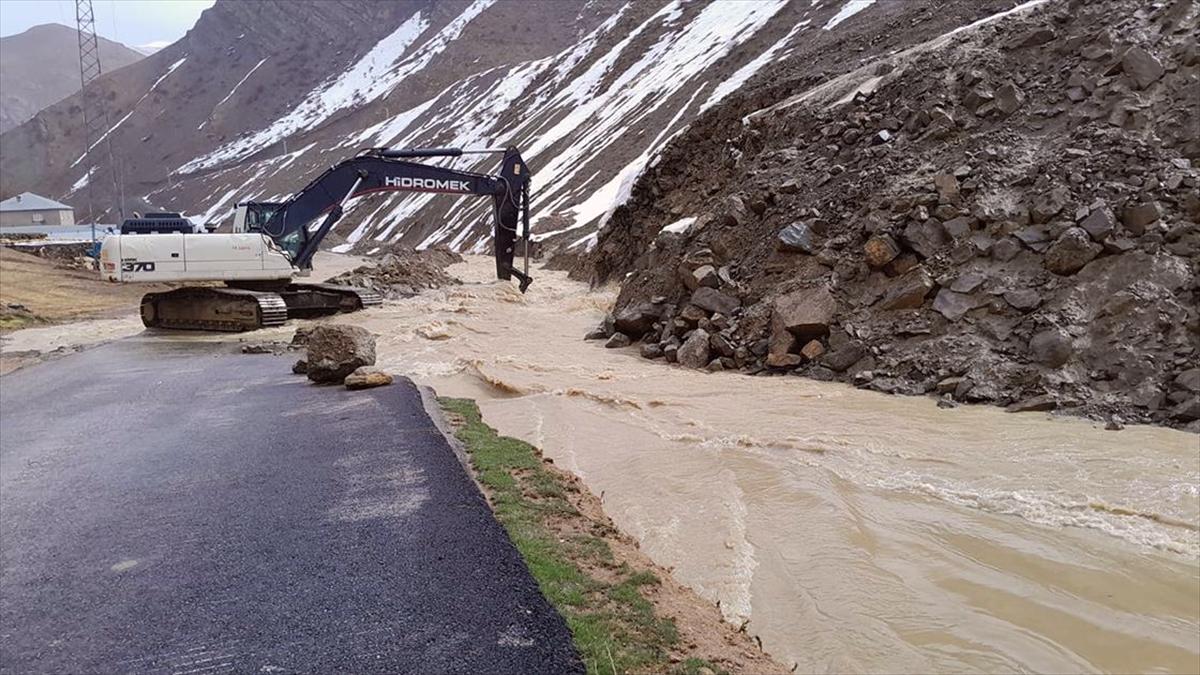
(173, 508)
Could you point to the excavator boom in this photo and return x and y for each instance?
(386, 170)
(261, 292)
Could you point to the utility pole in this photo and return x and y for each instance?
(95, 112)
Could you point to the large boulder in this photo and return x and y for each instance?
(908, 291)
(1071, 251)
(715, 301)
(1051, 348)
(926, 237)
(694, 352)
(806, 313)
(637, 319)
(336, 351)
(1141, 67)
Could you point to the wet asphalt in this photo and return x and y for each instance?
(175, 508)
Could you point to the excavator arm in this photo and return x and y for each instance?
(386, 170)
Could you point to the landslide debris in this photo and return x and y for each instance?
(403, 271)
(1011, 216)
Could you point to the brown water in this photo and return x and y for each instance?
(855, 531)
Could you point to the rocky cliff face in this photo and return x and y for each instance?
(1007, 214)
(260, 97)
(41, 66)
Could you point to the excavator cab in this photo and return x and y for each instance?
(253, 216)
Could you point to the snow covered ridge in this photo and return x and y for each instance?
(593, 114)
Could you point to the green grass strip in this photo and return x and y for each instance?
(614, 626)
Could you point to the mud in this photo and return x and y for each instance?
(853, 530)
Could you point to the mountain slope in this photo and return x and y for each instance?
(41, 66)
(253, 104)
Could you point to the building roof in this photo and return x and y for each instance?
(27, 201)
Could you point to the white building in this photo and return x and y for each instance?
(28, 209)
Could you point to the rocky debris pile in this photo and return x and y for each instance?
(403, 271)
(336, 351)
(1012, 218)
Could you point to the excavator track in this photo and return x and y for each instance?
(217, 309)
(359, 297)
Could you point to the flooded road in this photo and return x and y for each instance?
(855, 531)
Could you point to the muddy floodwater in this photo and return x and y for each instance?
(854, 531)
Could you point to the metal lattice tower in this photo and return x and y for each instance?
(95, 112)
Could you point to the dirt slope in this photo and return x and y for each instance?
(1007, 216)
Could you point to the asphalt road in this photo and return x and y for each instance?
(171, 508)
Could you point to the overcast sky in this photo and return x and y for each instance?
(133, 22)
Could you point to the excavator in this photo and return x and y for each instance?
(273, 243)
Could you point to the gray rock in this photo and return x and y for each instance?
(705, 275)
(1141, 67)
(926, 237)
(694, 353)
(841, 358)
(692, 314)
(652, 350)
(1049, 204)
(797, 238)
(968, 282)
(1005, 249)
(1051, 348)
(637, 319)
(1071, 251)
(1189, 380)
(1035, 37)
(958, 227)
(721, 345)
(1024, 299)
(1137, 217)
(617, 341)
(947, 187)
(1041, 403)
(1099, 223)
(1187, 411)
(335, 351)
(909, 290)
(300, 367)
(671, 352)
(954, 305)
(1009, 98)
(1036, 237)
(714, 301)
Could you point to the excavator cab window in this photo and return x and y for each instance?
(291, 243)
(258, 213)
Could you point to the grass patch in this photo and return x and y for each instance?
(614, 626)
